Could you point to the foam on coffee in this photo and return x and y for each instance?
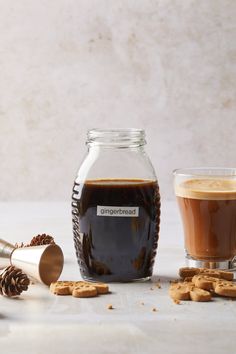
(207, 189)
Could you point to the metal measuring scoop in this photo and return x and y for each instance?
(43, 263)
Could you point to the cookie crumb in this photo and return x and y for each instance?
(110, 307)
(151, 289)
(158, 285)
(154, 309)
(141, 303)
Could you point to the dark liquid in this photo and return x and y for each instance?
(116, 248)
(209, 228)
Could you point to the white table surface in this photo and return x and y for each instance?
(40, 322)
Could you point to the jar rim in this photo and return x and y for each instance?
(122, 137)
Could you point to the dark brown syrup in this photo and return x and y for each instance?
(116, 248)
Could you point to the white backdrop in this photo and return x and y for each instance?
(168, 66)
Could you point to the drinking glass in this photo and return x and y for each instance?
(207, 202)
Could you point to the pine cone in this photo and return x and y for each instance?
(13, 282)
(42, 240)
(20, 245)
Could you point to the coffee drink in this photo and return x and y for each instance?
(116, 228)
(208, 210)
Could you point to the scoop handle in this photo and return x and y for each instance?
(6, 250)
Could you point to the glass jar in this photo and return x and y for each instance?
(116, 208)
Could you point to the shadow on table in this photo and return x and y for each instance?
(2, 317)
(4, 326)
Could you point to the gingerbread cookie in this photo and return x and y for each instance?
(226, 275)
(102, 288)
(204, 282)
(216, 273)
(188, 291)
(84, 290)
(210, 272)
(68, 287)
(75, 284)
(188, 272)
(197, 294)
(225, 289)
(201, 283)
(180, 291)
(60, 288)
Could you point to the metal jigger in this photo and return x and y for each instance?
(43, 263)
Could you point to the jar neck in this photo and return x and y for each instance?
(116, 139)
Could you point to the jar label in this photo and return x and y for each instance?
(127, 211)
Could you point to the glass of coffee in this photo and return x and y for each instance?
(207, 203)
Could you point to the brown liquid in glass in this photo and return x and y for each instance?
(208, 210)
(116, 248)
